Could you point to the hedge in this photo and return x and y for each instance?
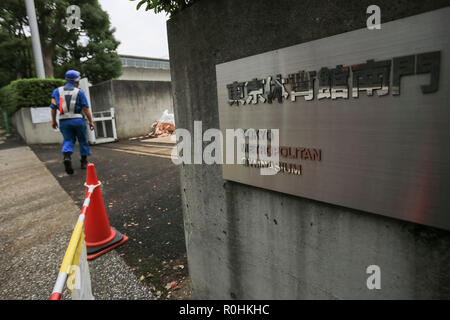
(28, 93)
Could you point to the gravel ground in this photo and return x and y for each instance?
(32, 274)
(113, 279)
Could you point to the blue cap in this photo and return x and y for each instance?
(72, 76)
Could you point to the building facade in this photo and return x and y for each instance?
(144, 68)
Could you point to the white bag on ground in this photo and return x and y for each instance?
(167, 117)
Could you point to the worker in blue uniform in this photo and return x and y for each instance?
(70, 101)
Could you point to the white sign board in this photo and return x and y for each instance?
(41, 115)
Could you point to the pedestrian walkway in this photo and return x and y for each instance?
(36, 220)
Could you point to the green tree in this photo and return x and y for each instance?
(15, 46)
(169, 6)
(91, 49)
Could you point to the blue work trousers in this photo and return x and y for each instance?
(72, 129)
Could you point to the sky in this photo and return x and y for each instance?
(141, 33)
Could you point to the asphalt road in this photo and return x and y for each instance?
(141, 192)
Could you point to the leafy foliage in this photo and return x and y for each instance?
(169, 6)
(27, 93)
(90, 49)
(16, 60)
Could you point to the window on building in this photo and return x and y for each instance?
(145, 63)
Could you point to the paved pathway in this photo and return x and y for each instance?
(36, 220)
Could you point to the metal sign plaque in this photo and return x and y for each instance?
(363, 117)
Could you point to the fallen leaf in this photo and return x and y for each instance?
(142, 278)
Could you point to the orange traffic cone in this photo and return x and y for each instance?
(100, 237)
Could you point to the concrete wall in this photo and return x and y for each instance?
(137, 103)
(34, 133)
(248, 243)
(134, 73)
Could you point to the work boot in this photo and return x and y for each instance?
(68, 163)
(84, 162)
